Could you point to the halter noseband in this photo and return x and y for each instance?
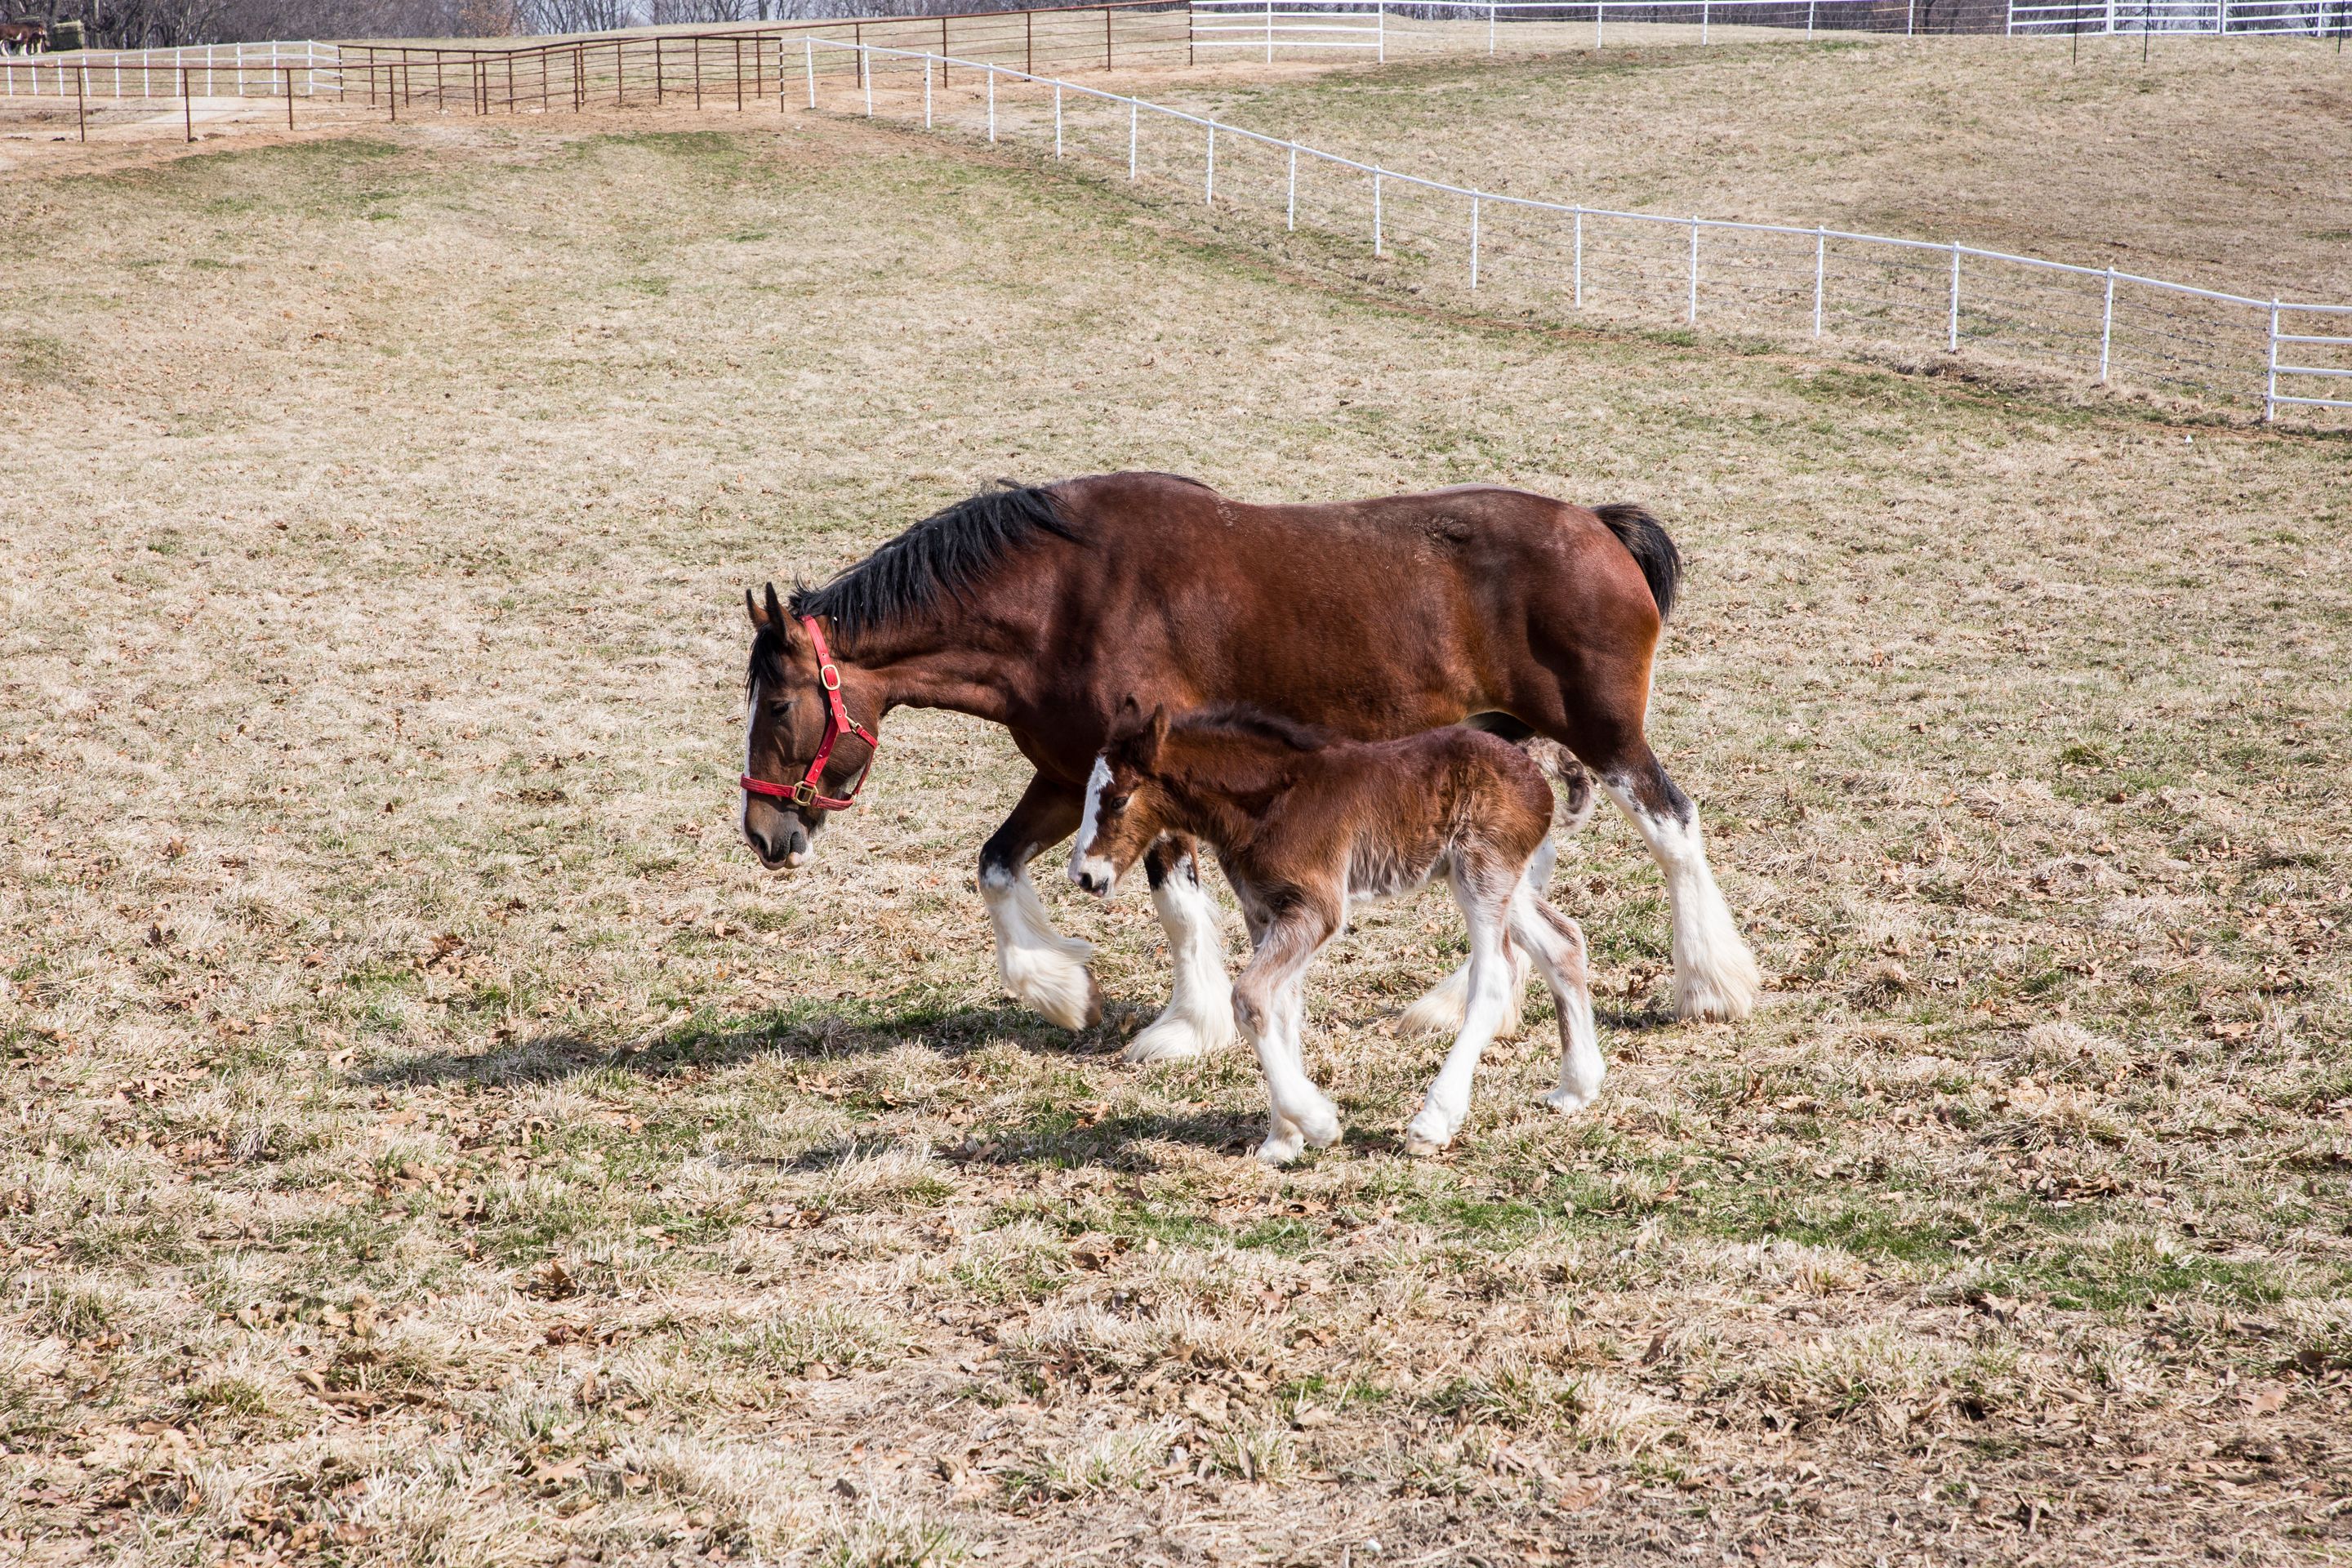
(838, 722)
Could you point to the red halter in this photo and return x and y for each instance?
(837, 721)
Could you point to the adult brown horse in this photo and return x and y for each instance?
(1043, 609)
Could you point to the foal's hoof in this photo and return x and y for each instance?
(1567, 1102)
(1421, 1148)
(1426, 1134)
(1174, 1038)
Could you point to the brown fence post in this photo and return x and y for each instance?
(509, 82)
(738, 76)
(1106, 38)
(698, 70)
(81, 105)
(290, 98)
(187, 105)
(1029, 43)
(943, 51)
(658, 71)
(620, 77)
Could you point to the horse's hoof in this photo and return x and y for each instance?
(1280, 1150)
(1173, 1037)
(1420, 1148)
(1323, 1132)
(1567, 1102)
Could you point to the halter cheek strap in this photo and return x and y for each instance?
(838, 722)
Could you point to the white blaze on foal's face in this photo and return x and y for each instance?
(1087, 869)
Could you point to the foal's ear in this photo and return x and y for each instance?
(1155, 735)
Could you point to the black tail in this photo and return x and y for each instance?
(1644, 539)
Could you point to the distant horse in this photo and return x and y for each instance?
(1304, 825)
(1041, 608)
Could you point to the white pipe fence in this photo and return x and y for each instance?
(2306, 19)
(214, 70)
(1877, 292)
(1267, 28)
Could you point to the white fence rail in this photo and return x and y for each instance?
(2305, 18)
(213, 70)
(1269, 28)
(1871, 291)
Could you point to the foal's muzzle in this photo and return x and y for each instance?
(1096, 877)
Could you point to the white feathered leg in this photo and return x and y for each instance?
(1714, 974)
(1041, 967)
(1440, 1012)
(1199, 1017)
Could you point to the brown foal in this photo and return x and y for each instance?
(1304, 823)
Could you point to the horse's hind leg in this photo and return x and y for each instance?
(1199, 1017)
(1484, 894)
(1556, 943)
(1040, 966)
(1714, 974)
(1439, 1010)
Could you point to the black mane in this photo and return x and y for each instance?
(945, 553)
(1242, 719)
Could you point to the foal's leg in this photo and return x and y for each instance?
(1266, 1005)
(1199, 1017)
(1714, 974)
(1483, 891)
(1556, 944)
(1040, 966)
(1439, 1010)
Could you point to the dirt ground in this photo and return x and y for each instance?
(434, 1139)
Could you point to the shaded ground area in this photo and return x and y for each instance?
(435, 1140)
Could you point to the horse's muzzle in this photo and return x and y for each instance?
(783, 847)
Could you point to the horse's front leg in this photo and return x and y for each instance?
(1041, 967)
(1199, 1017)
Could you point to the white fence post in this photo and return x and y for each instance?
(1131, 138)
(1209, 185)
(1376, 212)
(1704, 8)
(1580, 258)
(867, 60)
(927, 92)
(1473, 242)
(1269, 32)
(808, 47)
(1290, 201)
(1952, 332)
(1597, 7)
(1910, 15)
(992, 104)
(1057, 120)
(2270, 388)
(1820, 257)
(1694, 273)
(1380, 32)
(2107, 326)
(1809, 19)
(1490, 27)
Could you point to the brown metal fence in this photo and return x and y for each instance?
(743, 67)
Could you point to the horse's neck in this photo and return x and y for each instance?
(927, 664)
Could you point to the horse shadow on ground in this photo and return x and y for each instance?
(805, 1034)
(810, 1031)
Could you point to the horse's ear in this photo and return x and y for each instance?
(752, 607)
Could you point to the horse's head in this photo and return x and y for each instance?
(786, 794)
(1126, 808)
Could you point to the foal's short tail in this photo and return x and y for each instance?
(1644, 538)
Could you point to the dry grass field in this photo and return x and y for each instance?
(434, 1140)
(2215, 163)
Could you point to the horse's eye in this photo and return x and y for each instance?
(777, 711)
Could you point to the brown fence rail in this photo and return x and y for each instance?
(746, 66)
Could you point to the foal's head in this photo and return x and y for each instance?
(1126, 807)
(787, 725)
